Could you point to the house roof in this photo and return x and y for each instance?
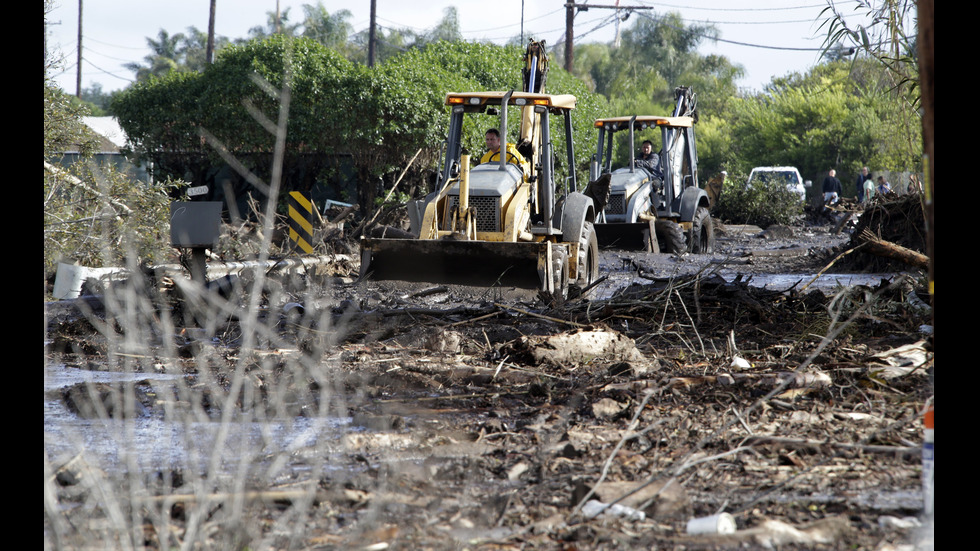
(108, 129)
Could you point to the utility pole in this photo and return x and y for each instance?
(278, 25)
(570, 8)
(371, 36)
(616, 42)
(569, 32)
(209, 53)
(78, 68)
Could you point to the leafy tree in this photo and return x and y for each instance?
(665, 46)
(92, 214)
(807, 127)
(167, 116)
(890, 38)
(99, 217)
(655, 56)
(832, 117)
(96, 99)
(193, 49)
(764, 202)
(392, 42)
(63, 127)
(593, 63)
(389, 43)
(379, 117)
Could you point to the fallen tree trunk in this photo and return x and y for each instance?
(802, 443)
(880, 247)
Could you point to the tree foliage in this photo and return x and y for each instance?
(890, 39)
(331, 30)
(63, 127)
(94, 215)
(763, 203)
(825, 119)
(841, 113)
(181, 52)
(656, 55)
(380, 117)
(100, 217)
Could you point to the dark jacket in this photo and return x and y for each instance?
(860, 185)
(831, 183)
(651, 163)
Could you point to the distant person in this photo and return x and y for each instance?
(914, 186)
(863, 177)
(868, 189)
(832, 188)
(884, 188)
(714, 186)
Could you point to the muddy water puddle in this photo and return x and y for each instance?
(151, 443)
(621, 273)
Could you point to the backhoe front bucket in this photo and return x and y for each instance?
(636, 236)
(464, 262)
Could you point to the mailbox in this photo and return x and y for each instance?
(195, 224)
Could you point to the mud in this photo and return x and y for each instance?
(377, 415)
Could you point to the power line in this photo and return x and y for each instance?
(394, 25)
(781, 8)
(104, 72)
(710, 37)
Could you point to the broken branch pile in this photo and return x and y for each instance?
(893, 227)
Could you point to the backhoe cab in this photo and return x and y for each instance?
(664, 211)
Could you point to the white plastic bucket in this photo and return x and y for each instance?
(69, 278)
(723, 523)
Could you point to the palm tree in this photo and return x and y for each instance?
(277, 23)
(330, 30)
(447, 28)
(164, 56)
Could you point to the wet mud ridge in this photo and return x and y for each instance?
(461, 420)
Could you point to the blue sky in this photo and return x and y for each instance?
(767, 37)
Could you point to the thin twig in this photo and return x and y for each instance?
(549, 318)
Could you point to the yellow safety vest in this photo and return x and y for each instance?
(512, 157)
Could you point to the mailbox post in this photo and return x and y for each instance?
(195, 225)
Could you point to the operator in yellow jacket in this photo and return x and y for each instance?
(492, 155)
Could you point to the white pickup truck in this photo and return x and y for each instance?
(788, 174)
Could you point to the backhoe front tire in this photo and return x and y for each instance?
(701, 238)
(588, 261)
(671, 236)
(559, 281)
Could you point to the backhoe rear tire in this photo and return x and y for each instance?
(671, 237)
(701, 238)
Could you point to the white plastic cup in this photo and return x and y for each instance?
(723, 523)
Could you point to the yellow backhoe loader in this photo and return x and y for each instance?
(499, 223)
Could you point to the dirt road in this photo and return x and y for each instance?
(475, 420)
